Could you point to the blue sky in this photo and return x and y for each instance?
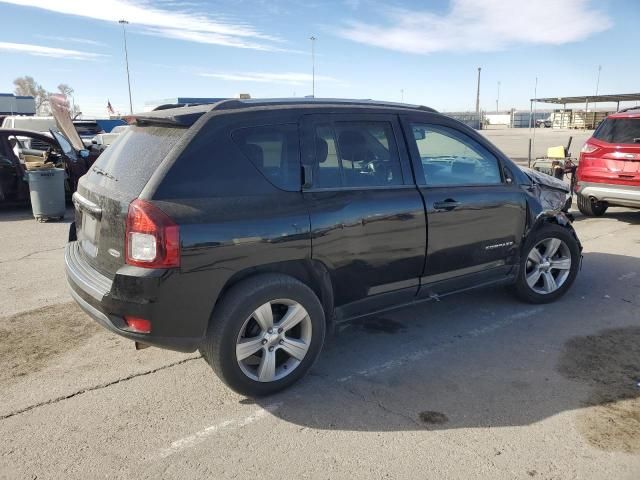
(365, 49)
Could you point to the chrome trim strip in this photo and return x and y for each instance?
(85, 205)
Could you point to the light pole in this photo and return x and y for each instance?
(126, 59)
(313, 66)
(498, 98)
(598, 80)
(478, 93)
(402, 95)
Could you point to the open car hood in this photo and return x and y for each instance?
(60, 110)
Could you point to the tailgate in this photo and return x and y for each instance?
(115, 180)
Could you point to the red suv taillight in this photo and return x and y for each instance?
(589, 148)
(152, 239)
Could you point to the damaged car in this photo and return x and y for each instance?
(553, 193)
(22, 150)
(248, 229)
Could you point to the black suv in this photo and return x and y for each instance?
(248, 229)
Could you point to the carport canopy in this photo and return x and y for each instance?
(622, 97)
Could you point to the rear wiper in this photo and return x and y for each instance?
(636, 140)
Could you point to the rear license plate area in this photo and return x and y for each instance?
(88, 233)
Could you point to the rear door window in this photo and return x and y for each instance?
(275, 151)
(619, 130)
(356, 155)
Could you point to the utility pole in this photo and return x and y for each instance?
(313, 66)
(123, 22)
(478, 94)
(498, 98)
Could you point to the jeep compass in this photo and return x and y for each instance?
(248, 229)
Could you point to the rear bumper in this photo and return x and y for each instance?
(107, 302)
(624, 195)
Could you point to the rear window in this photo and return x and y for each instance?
(619, 130)
(134, 156)
(274, 150)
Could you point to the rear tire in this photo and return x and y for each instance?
(264, 334)
(590, 208)
(549, 265)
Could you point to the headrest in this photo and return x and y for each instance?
(322, 150)
(255, 154)
(352, 145)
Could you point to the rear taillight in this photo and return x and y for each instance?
(589, 148)
(152, 238)
(137, 325)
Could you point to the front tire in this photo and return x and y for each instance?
(549, 265)
(591, 208)
(265, 334)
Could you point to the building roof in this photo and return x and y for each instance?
(621, 97)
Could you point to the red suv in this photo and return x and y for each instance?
(609, 168)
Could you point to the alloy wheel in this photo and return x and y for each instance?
(548, 265)
(274, 340)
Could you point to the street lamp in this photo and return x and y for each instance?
(498, 98)
(126, 59)
(478, 94)
(313, 66)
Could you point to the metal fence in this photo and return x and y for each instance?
(471, 119)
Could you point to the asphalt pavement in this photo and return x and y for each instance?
(476, 385)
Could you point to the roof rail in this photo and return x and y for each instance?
(234, 103)
(637, 107)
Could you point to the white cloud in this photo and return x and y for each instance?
(213, 38)
(41, 51)
(84, 41)
(181, 23)
(289, 78)
(481, 25)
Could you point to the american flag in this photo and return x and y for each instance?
(110, 108)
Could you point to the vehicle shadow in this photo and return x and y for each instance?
(482, 359)
(632, 217)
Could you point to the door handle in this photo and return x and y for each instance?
(448, 204)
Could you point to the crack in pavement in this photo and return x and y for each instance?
(606, 234)
(24, 257)
(95, 387)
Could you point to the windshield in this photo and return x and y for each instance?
(64, 144)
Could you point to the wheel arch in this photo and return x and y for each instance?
(554, 218)
(312, 273)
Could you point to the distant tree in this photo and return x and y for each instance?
(28, 86)
(67, 91)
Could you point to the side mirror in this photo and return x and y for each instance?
(419, 133)
(84, 153)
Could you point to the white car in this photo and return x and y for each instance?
(103, 140)
(35, 124)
